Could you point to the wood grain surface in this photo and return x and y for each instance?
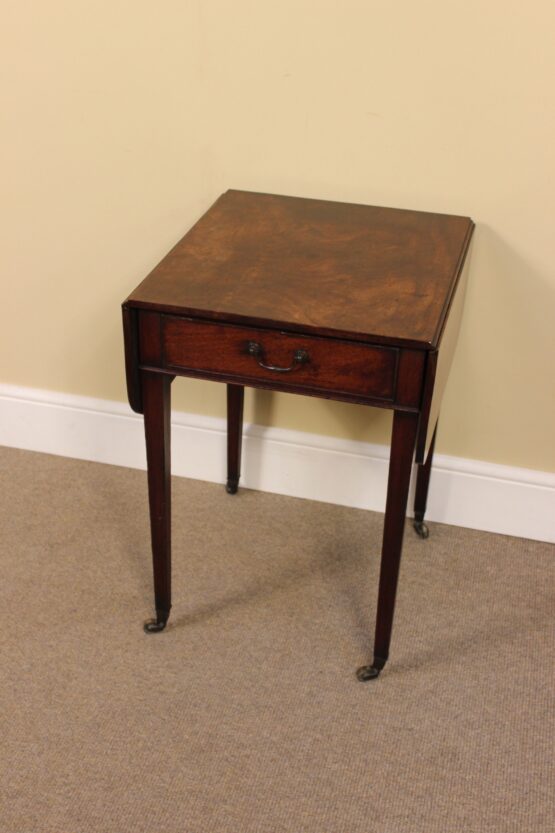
(331, 268)
(334, 366)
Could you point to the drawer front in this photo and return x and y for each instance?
(318, 364)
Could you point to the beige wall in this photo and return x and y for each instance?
(124, 120)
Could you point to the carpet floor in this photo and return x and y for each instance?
(245, 715)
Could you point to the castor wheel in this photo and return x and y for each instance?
(421, 529)
(155, 625)
(371, 672)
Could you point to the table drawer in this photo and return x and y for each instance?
(280, 358)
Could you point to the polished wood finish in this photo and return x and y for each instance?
(156, 398)
(438, 364)
(235, 398)
(221, 349)
(400, 465)
(373, 274)
(131, 345)
(150, 339)
(347, 302)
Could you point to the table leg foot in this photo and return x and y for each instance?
(421, 528)
(232, 486)
(158, 624)
(370, 672)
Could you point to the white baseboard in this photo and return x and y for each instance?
(469, 493)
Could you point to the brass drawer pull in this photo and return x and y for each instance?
(299, 357)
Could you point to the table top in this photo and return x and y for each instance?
(328, 268)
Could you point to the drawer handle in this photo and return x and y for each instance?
(256, 350)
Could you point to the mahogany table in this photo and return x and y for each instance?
(328, 299)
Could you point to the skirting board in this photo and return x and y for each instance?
(469, 493)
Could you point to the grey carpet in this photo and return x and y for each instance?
(245, 714)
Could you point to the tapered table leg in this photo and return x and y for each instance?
(400, 465)
(156, 404)
(421, 496)
(235, 396)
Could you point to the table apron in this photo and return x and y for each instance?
(364, 373)
(279, 388)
